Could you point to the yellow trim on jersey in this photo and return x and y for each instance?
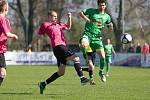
(88, 49)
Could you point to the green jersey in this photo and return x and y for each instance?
(108, 49)
(97, 22)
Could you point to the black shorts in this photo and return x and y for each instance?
(61, 52)
(2, 61)
(91, 56)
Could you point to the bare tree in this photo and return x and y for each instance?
(117, 24)
(26, 13)
(137, 18)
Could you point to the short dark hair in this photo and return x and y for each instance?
(101, 1)
(2, 4)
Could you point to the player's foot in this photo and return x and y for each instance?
(92, 82)
(107, 74)
(102, 76)
(41, 86)
(84, 80)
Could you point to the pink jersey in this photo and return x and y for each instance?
(4, 28)
(54, 31)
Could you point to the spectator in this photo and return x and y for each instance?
(131, 49)
(145, 50)
(138, 48)
(149, 47)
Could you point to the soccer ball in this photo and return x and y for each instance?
(126, 38)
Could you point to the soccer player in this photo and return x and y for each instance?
(54, 30)
(95, 22)
(108, 52)
(5, 33)
(89, 56)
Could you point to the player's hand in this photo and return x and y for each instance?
(69, 15)
(87, 20)
(15, 37)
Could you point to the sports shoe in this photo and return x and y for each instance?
(41, 86)
(102, 76)
(92, 82)
(84, 80)
(107, 74)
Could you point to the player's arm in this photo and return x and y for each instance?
(35, 39)
(113, 51)
(10, 35)
(110, 27)
(38, 35)
(82, 15)
(109, 24)
(69, 21)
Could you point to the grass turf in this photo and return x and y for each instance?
(124, 83)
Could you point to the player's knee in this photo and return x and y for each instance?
(84, 42)
(2, 73)
(76, 59)
(61, 70)
(61, 73)
(90, 64)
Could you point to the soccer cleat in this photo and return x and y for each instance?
(41, 86)
(92, 82)
(84, 80)
(107, 74)
(102, 76)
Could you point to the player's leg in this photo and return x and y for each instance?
(83, 50)
(108, 62)
(97, 45)
(2, 68)
(90, 56)
(107, 69)
(53, 77)
(59, 53)
(93, 57)
(101, 53)
(78, 68)
(2, 75)
(60, 72)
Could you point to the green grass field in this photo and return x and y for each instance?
(124, 83)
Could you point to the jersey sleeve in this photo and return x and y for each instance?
(42, 29)
(108, 20)
(87, 11)
(63, 26)
(5, 26)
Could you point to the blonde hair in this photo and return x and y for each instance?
(50, 12)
